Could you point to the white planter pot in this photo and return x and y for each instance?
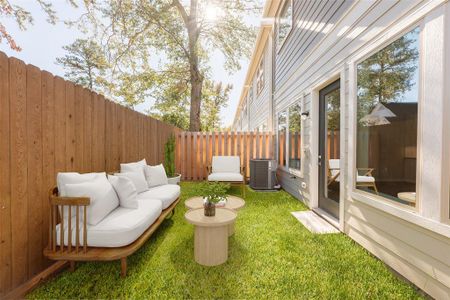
(174, 180)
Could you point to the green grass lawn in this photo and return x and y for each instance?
(271, 255)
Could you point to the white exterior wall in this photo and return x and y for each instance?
(416, 243)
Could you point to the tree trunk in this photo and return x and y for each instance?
(196, 99)
(196, 76)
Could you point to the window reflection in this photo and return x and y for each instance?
(387, 114)
(282, 118)
(295, 136)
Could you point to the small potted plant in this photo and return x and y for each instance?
(213, 193)
(169, 161)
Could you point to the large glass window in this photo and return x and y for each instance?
(387, 114)
(284, 22)
(295, 114)
(281, 142)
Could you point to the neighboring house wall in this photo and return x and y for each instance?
(261, 103)
(334, 34)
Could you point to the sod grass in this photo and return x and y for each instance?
(271, 256)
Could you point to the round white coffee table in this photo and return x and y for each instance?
(211, 235)
(233, 202)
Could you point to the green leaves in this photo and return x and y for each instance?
(213, 191)
(169, 156)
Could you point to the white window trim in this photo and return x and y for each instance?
(281, 44)
(445, 207)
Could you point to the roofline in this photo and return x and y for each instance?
(267, 21)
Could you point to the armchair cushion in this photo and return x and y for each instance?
(225, 176)
(226, 164)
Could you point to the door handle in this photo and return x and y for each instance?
(319, 161)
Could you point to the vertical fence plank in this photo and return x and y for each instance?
(48, 147)
(19, 179)
(87, 135)
(60, 124)
(79, 129)
(70, 126)
(5, 179)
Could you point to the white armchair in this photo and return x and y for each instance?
(227, 169)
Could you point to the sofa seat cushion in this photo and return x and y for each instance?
(167, 193)
(120, 228)
(225, 176)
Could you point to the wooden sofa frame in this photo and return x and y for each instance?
(78, 252)
(236, 183)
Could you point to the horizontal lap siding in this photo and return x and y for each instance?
(418, 254)
(48, 125)
(311, 21)
(260, 106)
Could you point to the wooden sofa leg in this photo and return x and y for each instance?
(123, 266)
(72, 266)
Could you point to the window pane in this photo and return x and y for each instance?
(282, 139)
(285, 22)
(387, 114)
(295, 136)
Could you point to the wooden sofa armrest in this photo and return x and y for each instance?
(57, 208)
(72, 201)
(209, 169)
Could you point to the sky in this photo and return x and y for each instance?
(42, 43)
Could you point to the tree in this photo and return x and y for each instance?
(214, 98)
(23, 18)
(385, 76)
(84, 64)
(184, 34)
(172, 104)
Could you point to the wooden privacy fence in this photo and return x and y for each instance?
(194, 150)
(49, 125)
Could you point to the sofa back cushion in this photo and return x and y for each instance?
(226, 164)
(133, 167)
(138, 179)
(155, 175)
(103, 197)
(64, 178)
(125, 189)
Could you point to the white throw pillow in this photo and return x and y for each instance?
(133, 167)
(155, 175)
(138, 180)
(64, 178)
(103, 198)
(125, 189)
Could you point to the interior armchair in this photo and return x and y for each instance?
(364, 176)
(227, 169)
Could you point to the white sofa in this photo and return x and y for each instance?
(120, 226)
